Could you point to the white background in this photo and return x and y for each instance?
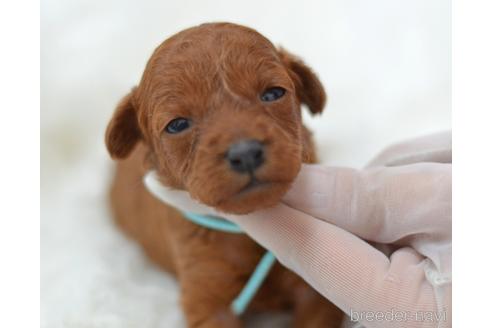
(385, 65)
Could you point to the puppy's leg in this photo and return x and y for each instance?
(202, 309)
(314, 311)
(206, 296)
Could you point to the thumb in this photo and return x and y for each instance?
(179, 199)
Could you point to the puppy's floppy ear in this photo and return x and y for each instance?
(123, 133)
(309, 89)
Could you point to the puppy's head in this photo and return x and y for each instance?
(219, 108)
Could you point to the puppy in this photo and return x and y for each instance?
(217, 113)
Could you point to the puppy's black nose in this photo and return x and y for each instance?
(245, 156)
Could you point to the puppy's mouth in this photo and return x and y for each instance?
(254, 195)
(253, 185)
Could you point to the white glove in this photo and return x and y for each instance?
(402, 201)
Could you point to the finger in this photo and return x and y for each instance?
(378, 204)
(179, 199)
(345, 269)
(430, 148)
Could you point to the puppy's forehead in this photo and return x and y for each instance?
(216, 40)
(203, 57)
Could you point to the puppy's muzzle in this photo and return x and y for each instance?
(246, 156)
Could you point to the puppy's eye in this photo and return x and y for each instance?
(272, 94)
(177, 125)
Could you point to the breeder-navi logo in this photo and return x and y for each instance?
(398, 316)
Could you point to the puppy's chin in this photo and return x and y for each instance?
(253, 198)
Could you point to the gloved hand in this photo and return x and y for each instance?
(376, 242)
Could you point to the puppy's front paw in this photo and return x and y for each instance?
(220, 319)
(314, 311)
